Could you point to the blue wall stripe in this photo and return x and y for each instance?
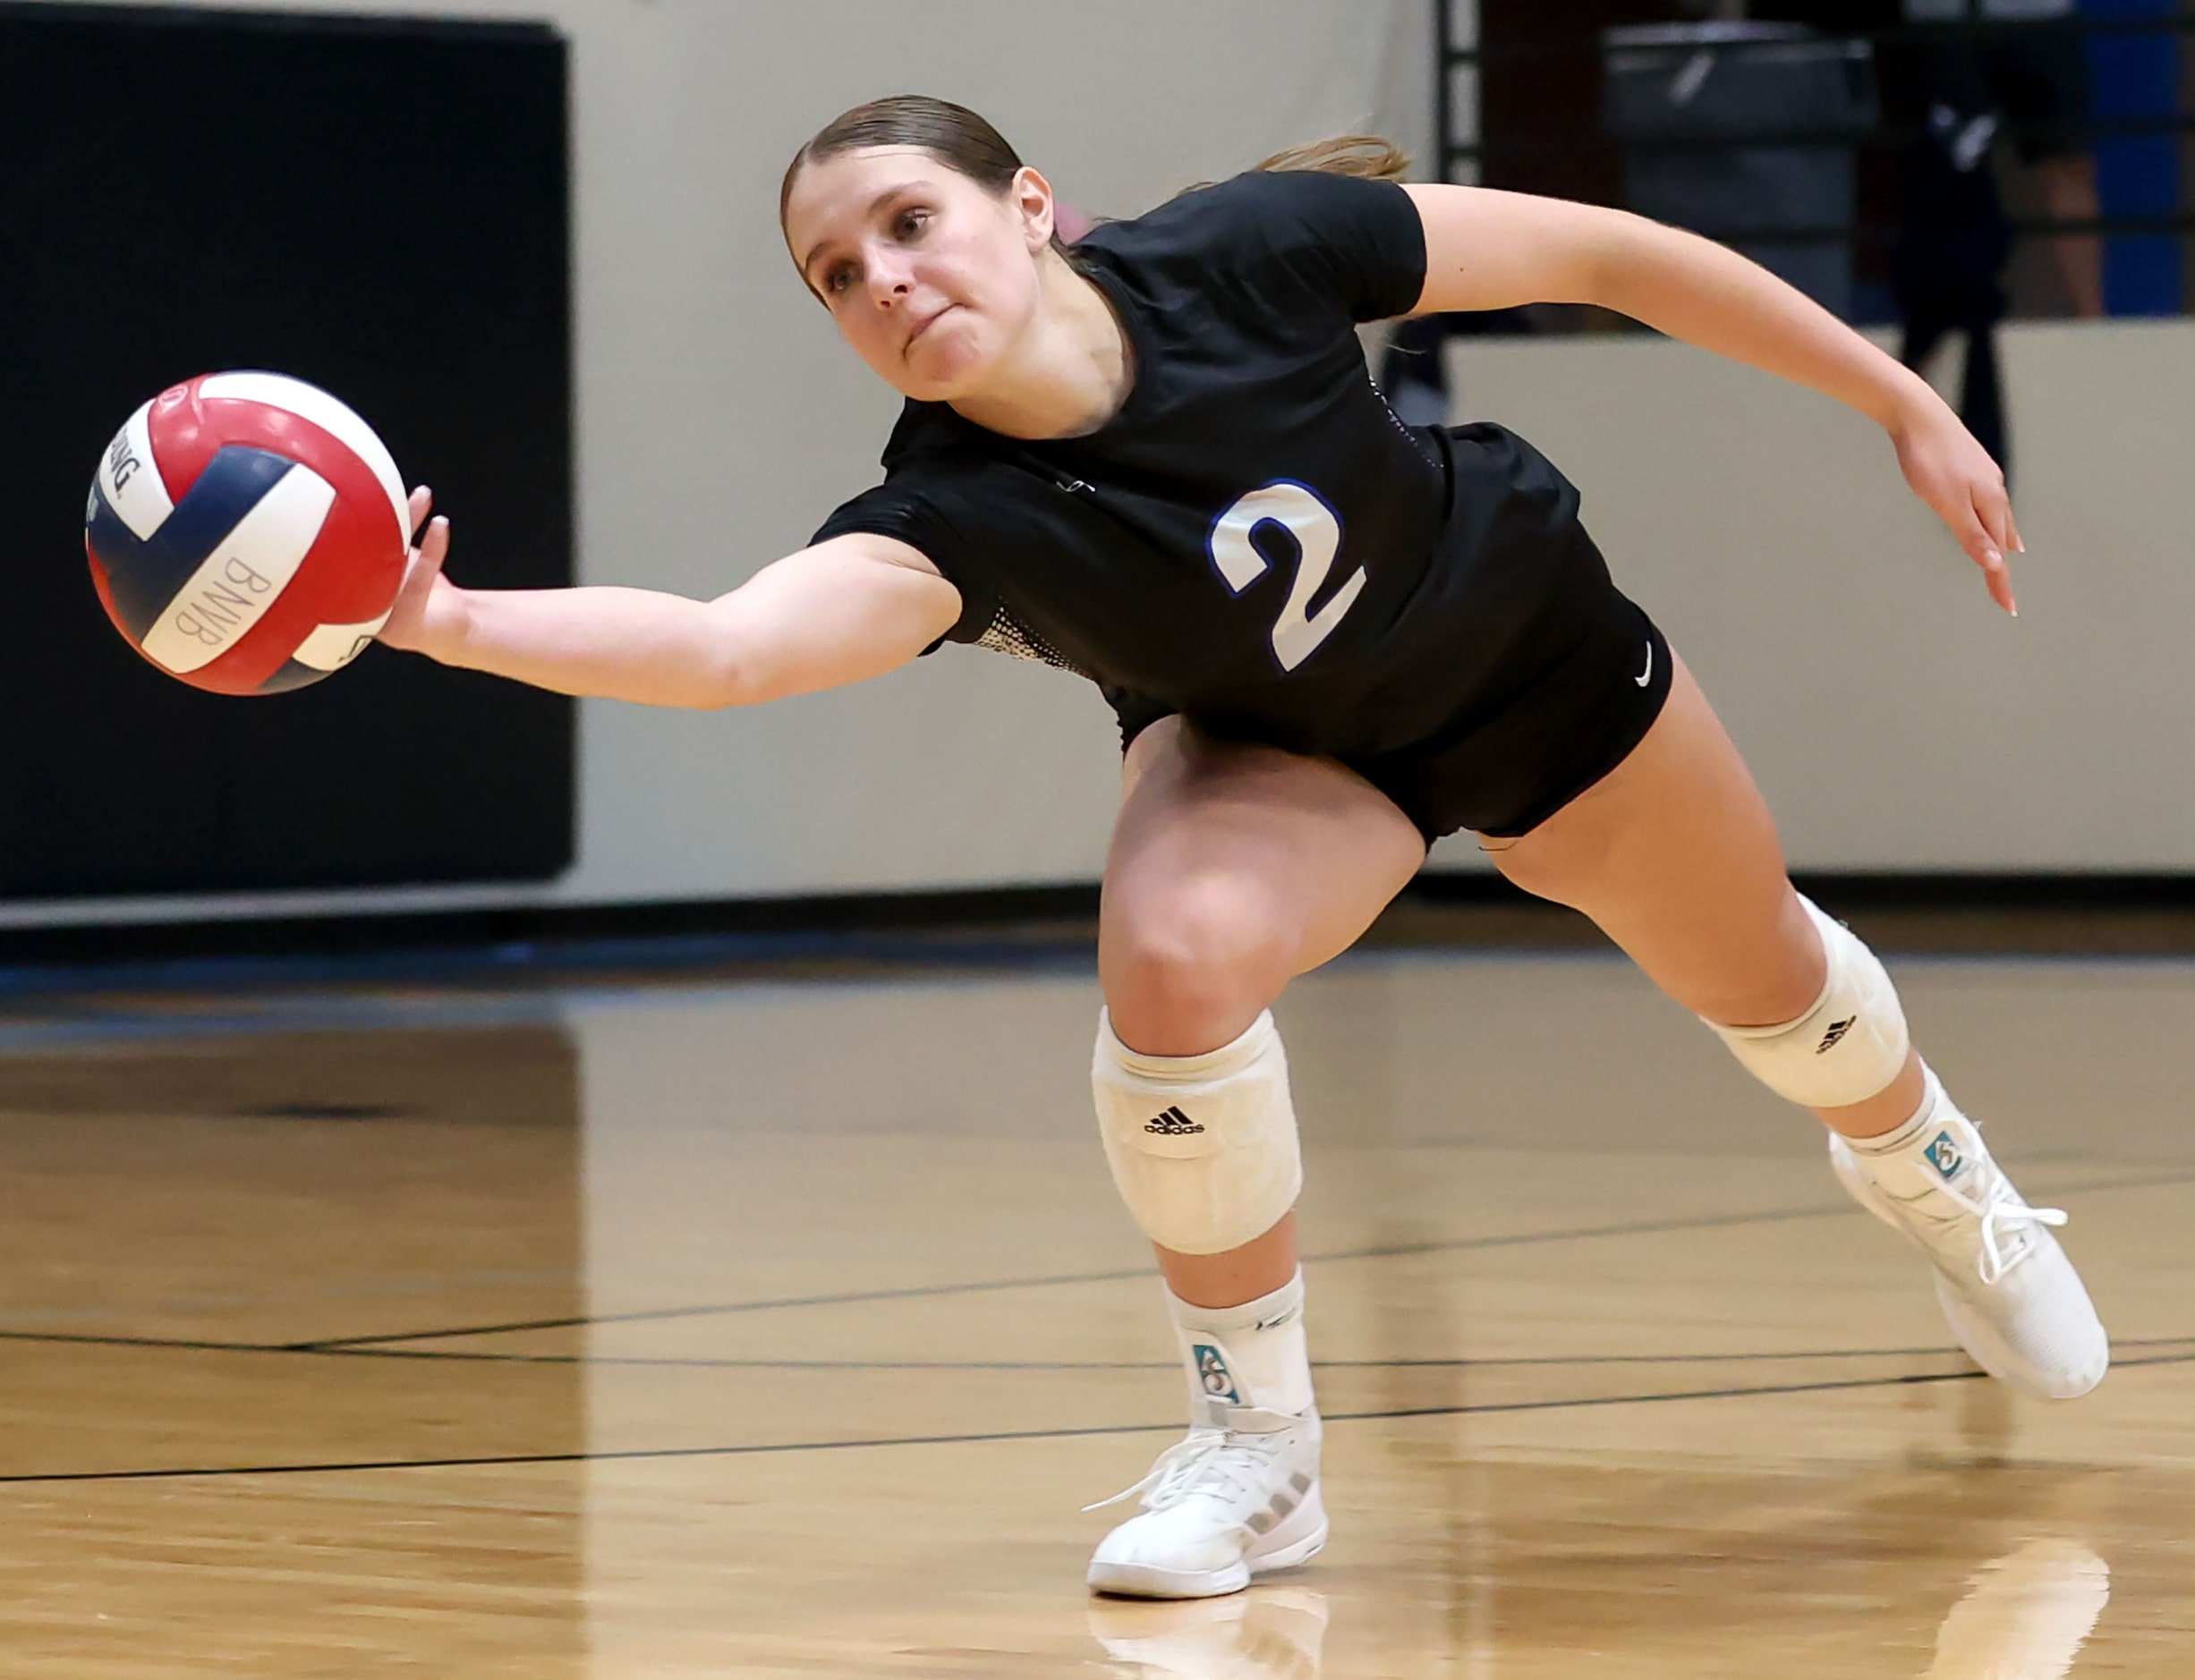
(2138, 75)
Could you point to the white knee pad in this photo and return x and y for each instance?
(1845, 1049)
(1204, 1148)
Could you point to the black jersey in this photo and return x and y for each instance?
(1254, 540)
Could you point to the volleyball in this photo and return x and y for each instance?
(247, 532)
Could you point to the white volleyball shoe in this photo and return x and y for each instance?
(1236, 1498)
(2011, 1296)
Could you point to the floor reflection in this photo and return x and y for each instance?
(215, 1455)
(2026, 1616)
(1267, 1634)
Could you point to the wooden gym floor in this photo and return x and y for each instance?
(779, 1326)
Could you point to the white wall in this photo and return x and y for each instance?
(1896, 719)
(1894, 723)
(703, 364)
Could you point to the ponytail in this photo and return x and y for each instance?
(1367, 156)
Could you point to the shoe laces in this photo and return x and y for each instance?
(2002, 1212)
(1221, 1463)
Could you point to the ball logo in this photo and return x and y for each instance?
(127, 484)
(122, 462)
(225, 605)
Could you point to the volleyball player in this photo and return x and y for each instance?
(1156, 459)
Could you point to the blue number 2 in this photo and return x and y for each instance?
(1295, 633)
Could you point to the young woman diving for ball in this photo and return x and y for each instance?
(1156, 459)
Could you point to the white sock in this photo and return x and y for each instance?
(1932, 1099)
(1250, 1355)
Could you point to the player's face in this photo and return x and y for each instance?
(930, 276)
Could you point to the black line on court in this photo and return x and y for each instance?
(1398, 1251)
(1004, 1437)
(1563, 1362)
(1064, 1280)
(168, 1343)
(464, 1356)
(469, 1356)
(384, 1344)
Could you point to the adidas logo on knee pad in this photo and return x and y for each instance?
(1850, 1046)
(1172, 1124)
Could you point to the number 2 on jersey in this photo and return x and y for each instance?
(1298, 632)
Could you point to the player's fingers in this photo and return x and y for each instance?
(1993, 508)
(422, 504)
(1983, 549)
(1995, 572)
(422, 575)
(1975, 539)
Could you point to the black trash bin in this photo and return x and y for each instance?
(1746, 133)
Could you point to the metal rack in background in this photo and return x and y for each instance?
(1462, 62)
(1450, 20)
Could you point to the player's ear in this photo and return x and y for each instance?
(1030, 194)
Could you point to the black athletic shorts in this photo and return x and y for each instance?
(1561, 717)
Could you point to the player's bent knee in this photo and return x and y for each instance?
(1202, 1147)
(1209, 921)
(1850, 1046)
(1200, 953)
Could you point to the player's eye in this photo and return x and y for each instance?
(911, 222)
(836, 278)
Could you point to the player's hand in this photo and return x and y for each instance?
(430, 608)
(1955, 476)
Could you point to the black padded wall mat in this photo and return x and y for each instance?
(382, 208)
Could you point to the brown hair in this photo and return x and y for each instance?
(955, 136)
(963, 141)
(1367, 156)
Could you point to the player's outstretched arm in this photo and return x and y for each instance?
(1487, 249)
(852, 608)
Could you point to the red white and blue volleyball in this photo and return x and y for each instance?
(247, 532)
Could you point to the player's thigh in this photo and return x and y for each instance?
(1675, 856)
(1234, 867)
